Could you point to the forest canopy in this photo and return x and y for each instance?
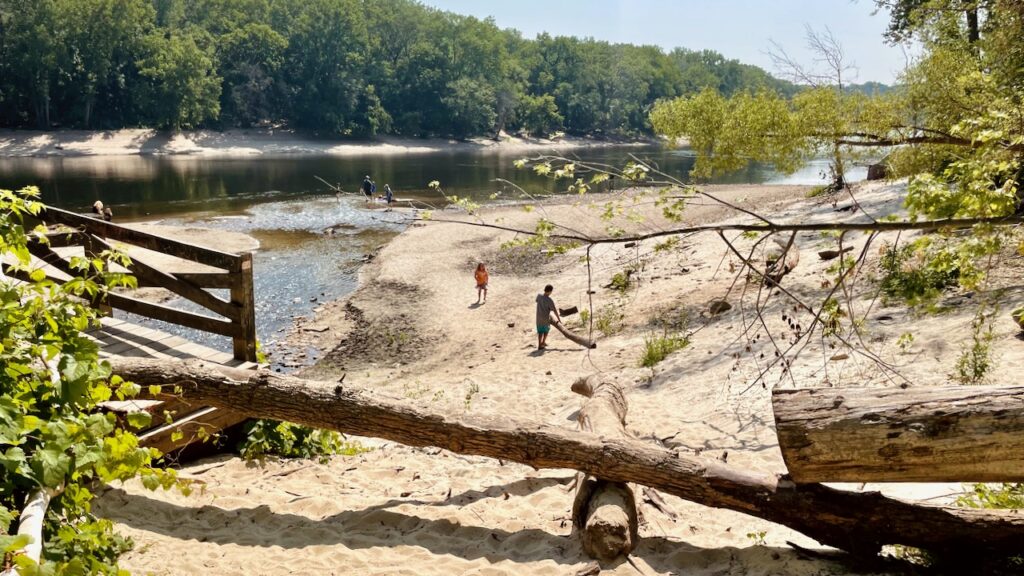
(343, 67)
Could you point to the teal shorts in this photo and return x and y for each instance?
(543, 329)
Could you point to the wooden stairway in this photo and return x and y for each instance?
(177, 423)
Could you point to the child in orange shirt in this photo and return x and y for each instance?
(481, 282)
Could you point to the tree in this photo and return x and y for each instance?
(250, 60)
(181, 89)
(323, 65)
(539, 115)
(470, 104)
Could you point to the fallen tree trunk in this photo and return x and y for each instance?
(604, 511)
(575, 337)
(853, 521)
(942, 434)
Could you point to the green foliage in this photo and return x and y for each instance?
(538, 115)
(180, 85)
(910, 276)
(357, 67)
(51, 435)
(757, 537)
(1018, 317)
(1005, 496)
(658, 347)
(608, 319)
(286, 440)
(622, 281)
(975, 360)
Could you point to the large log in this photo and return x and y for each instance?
(941, 434)
(604, 511)
(859, 522)
(586, 343)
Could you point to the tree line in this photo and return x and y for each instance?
(340, 67)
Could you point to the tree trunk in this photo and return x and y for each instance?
(973, 31)
(574, 336)
(855, 521)
(948, 434)
(604, 512)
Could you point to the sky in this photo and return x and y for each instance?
(740, 29)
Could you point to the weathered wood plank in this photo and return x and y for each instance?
(935, 434)
(177, 248)
(167, 314)
(140, 269)
(209, 420)
(243, 296)
(210, 280)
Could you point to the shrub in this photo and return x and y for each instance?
(657, 348)
(912, 279)
(286, 440)
(608, 320)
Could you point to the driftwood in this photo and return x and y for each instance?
(942, 434)
(782, 263)
(574, 337)
(859, 522)
(604, 512)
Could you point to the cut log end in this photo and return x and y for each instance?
(604, 512)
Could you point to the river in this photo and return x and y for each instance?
(280, 202)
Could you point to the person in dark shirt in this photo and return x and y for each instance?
(545, 306)
(368, 188)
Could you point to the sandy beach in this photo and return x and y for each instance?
(254, 142)
(413, 331)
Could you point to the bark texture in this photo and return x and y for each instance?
(943, 434)
(604, 512)
(859, 522)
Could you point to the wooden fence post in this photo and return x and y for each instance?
(242, 295)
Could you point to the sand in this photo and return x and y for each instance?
(413, 331)
(240, 143)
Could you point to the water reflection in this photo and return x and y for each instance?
(140, 186)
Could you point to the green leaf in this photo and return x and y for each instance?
(139, 420)
(50, 466)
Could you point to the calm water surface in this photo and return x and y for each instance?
(280, 202)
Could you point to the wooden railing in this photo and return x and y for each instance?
(235, 318)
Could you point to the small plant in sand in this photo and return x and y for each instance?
(975, 361)
(658, 347)
(415, 390)
(905, 342)
(608, 319)
(472, 391)
(757, 537)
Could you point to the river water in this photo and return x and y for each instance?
(280, 202)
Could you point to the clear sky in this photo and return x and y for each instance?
(740, 29)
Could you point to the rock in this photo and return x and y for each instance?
(716, 307)
(511, 324)
(877, 171)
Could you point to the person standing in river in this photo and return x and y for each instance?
(545, 307)
(389, 196)
(368, 188)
